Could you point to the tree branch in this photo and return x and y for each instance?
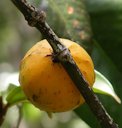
(36, 19)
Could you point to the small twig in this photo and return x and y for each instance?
(3, 110)
(37, 19)
(19, 115)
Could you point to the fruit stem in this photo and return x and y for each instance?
(36, 19)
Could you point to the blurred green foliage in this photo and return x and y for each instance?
(81, 21)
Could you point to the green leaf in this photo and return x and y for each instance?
(30, 112)
(15, 95)
(70, 20)
(106, 23)
(103, 86)
(86, 114)
(107, 67)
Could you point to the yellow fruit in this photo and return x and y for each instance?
(46, 84)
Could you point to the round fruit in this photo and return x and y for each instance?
(46, 83)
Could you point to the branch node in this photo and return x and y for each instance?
(36, 16)
(63, 55)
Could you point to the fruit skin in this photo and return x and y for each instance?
(46, 84)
